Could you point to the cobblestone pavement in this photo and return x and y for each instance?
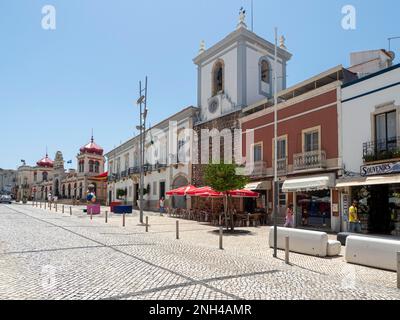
(49, 255)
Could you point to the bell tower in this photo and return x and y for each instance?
(237, 71)
(90, 159)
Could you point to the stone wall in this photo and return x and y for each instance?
(230, 121)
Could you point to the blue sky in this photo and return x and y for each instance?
(55, 86)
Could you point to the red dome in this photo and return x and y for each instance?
(92, 147)
(46, 162)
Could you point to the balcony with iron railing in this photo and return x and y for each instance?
(309, 160)
(282, 166)
(134, 170)
(385, 149)
(256, 169)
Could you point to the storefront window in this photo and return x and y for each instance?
(314, 208)
(379, 208)
(282, 196)
(394, 208)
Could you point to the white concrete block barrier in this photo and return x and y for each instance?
(334, 248)
(372, 252)
(306, 242)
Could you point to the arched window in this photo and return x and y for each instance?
(75, 191)
(69, 191)
(35, 176)
(80, 190)
(44, 176)
(97, 166)
(81, 166)
(91, 164)
(63, 190)
(265, 72)
(218, 77)
(265, 80)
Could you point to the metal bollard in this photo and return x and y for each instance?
(123, 220)
(106, 216)
(287, 250)
(45, 205)
(40, 204)
(177, 229)
(50, 206)
(147, 224)
(91, 214)
(221, 235)
(63, 209)
(55, 207)
(398, 270)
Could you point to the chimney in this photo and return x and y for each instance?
(365, 63)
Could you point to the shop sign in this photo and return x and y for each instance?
(378, 169)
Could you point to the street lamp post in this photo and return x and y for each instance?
(276, 182)
(142, 102)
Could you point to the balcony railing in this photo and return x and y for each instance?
(309, 160)
(258, 168)
(159, 166)
(282, 166)
(381, 150)
(134, 170)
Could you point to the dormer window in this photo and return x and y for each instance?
(218, 78)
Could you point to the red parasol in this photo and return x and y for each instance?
(180, 192)
(244, 194)
(205, 192)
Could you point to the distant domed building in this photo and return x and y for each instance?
(49, 177)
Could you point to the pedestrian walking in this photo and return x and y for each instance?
(162, 206)
(355, 224)
(289, 217)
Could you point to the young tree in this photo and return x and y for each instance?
(223, 178)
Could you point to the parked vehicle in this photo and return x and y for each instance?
(5, 199)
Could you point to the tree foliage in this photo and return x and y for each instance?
(223, 177)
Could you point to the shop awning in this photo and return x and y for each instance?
(263, 185)
(370, 181)
(309, 184)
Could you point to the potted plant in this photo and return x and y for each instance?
(121, 194)
(369, 157)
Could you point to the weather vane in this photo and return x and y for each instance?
(242, 18)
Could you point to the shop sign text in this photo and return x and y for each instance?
(377, 169)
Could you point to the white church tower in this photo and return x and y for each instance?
(237, 72)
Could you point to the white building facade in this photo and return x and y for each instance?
(237, 72)
(370, 117)
(8, 179)
(167, 162)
